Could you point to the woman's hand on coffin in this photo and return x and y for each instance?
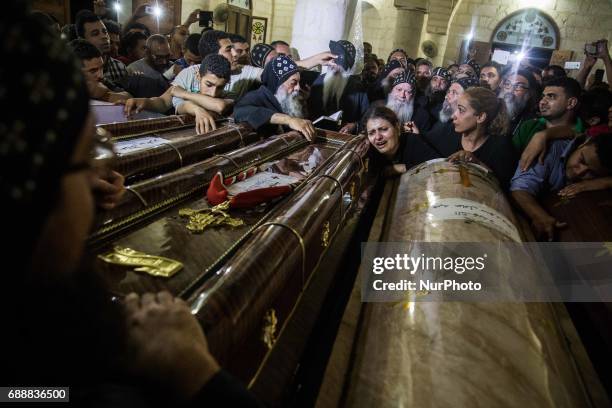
(536, 148)
(463, 156)
(108, 188)
(204, 121)
(134, 106)
(545, 225)
(349, 128)
(166, 344)
(303, 126)
(395, 170)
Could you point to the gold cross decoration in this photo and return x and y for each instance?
(209, 217)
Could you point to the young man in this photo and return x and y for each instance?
(91, 66)
(558, 107)
(401, 101)
(156, 60)
(567, 161)
(491, 76)
(277, 102)
(338, 90)
(241, 48)
(91, 28)
(213, 74)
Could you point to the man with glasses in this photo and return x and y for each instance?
(558, 107)
(520, 91)
(156, 60)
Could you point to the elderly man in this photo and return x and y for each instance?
(520, 92)
(401, 100)
(337, 90)
(156, 60)
(277, 102)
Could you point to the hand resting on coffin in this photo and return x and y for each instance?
(108, 188)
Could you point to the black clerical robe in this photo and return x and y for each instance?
(497, 152)
(354, 101)
(256, 108)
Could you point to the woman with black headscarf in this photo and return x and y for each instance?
(60, 327)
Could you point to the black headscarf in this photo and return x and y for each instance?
(278, 71)
(37, 139)
(63, 329)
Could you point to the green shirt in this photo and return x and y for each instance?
(525, 132)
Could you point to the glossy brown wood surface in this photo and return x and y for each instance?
(182, 147)
(169, 237)
(271, 264)
(588, 216)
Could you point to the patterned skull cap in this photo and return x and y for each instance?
(472, 63)
(442, 73)
(259, 53)
(406, 77)
(345, 51)
(467, 83)
(278, 71)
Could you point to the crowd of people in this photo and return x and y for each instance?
(535, 130)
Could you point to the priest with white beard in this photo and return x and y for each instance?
(338, 90)
(278, 102)
(401, 100)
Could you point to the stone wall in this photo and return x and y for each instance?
(386, 27)
(579, 21)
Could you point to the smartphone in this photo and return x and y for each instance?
(599, 75)
(205, 18)
(149, 10)
(590, 48)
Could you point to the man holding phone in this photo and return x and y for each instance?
(594, 51)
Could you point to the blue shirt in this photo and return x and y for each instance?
(550, 175)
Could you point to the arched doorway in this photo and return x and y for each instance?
(530, 32)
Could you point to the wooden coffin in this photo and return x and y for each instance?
(452, 354)
(133, 128)
(234, 277)
(160, 152)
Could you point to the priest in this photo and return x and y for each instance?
(278, 102)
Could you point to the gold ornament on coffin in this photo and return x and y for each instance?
(199, 220)
(353, 190)
(268, 332)
(150, 264)
(325, 234)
